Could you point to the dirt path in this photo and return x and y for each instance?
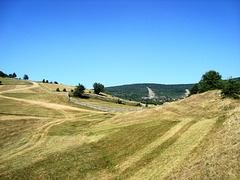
(47, 105)
(103, 108)
(151, 94)
(39, 137)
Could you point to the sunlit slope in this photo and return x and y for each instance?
(197, 137)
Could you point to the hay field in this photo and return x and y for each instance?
(43, 136)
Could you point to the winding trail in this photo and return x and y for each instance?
(40, 103)
(39, 137)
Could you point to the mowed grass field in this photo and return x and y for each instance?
(43, 136)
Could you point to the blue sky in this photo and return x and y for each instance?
(119, 42)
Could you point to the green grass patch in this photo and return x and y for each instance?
(90, 159)
(11, 107)
(148, 158)
(70, 128)
(105, 103)
(12, 81)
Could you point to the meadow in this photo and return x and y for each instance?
(43, 136)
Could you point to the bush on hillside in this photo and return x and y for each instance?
(98, 87)
(14, 75)
(231, 89)
(25, 77)
(194, 89)
(79, 90)
(58, 90)
(0, 82)
(2, 74)
(55, 82)
(119, 101)
(211, 80)
(64, 90)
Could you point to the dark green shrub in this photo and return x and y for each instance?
(119, 101)
(2, 74)
(14, 75)
(64, 90)
(211, 80)
(194, 89)
(55, 82)
(79, 90)
(98, 87)
(231, 89)
(58, 90)
(43, 80)
(25, 77)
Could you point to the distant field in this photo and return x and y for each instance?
(43, 136)
(12, 81)
(53, 87)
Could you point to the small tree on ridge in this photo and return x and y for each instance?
(79, 90)
(98, 87)
(25, 77)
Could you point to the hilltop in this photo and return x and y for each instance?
(138, 92)
(45, 136)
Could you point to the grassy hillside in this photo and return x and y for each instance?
(137, 91)
(45, 137)
(12, 81)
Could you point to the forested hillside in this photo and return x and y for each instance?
(136, 92)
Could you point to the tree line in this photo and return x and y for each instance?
(13, 75)
(212, 80)
(79, 90)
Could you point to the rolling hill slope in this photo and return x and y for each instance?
(137, 92)
(43, 136)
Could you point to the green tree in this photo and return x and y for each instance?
(211, 80)
(98, 87)
(64, 90)
(231, 89)
(194, 89)
(79, 90)
(2, 74)
(43, 80)
(25, 77)
(58, 90)
(14, 75)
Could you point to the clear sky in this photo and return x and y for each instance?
(117, 42)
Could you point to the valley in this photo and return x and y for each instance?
(44, 136)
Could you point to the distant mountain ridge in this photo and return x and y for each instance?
(139, 92)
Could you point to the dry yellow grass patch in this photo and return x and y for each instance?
(44, 137)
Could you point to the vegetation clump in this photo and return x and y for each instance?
(25, 77)
(98, 87)
(79, 90)
(58, 90)
(231, 89)
(212, 80)
(2, 74)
